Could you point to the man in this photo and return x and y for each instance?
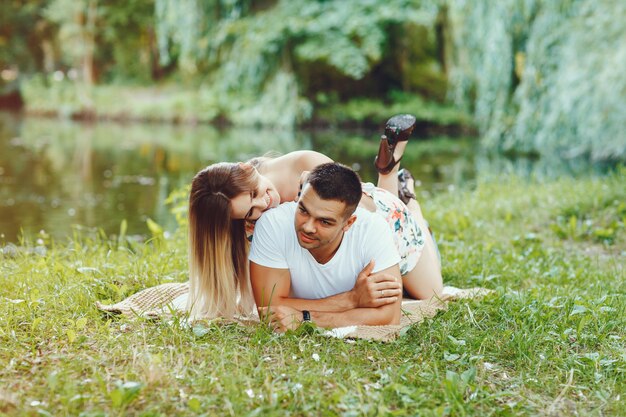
(325, 260)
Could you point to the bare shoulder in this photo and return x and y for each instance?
(307, 160)
(285, 171)
(296, 162)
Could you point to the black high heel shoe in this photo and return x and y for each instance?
(397, 129)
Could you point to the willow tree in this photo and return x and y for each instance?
(543, 75)
(250, 52)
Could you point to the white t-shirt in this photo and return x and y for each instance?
(275, 245)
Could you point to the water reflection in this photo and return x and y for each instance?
(55, 174)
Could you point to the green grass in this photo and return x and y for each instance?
(158, 104)
(550, 342)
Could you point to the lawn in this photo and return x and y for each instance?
(551, 341)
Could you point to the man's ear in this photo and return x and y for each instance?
(349, 223)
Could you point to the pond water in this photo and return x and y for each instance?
(60, 175)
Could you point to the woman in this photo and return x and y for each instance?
(226, 198)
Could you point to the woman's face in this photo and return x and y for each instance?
(250, 206)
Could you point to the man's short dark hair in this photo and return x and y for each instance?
(334, 181)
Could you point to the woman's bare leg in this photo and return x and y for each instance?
(425, 280)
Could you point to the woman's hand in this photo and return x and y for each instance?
(375, 290)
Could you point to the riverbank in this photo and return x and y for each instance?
(551, 341)
(203, 105)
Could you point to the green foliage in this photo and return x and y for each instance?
(23, 35)
(77, 23)
(540, 76)
(127, 51)
(364, 110)
(547, 76)
(178, 201)
(254, 53)
(92, 34)
(45, 95)
(254, 63)
(184, 28)
(348, 35)
(601, 219)
(124, 393)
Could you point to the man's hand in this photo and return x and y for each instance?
(375, 290)
(281, 318)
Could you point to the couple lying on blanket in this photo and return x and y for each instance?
(325, 248)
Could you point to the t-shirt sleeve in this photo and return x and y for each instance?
(266, 249)
(381, 246)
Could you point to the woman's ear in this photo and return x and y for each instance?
(246, 166)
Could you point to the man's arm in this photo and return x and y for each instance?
(271, 286)
(271, 291)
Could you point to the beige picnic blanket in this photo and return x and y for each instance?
(161, 301)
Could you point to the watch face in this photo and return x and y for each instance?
(306, 316)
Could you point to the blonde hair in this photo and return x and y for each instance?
(259, 161)
(219, 278)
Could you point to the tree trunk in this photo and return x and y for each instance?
(89, 42)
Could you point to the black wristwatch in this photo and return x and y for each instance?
(306, 316)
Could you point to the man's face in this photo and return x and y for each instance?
(320, 224)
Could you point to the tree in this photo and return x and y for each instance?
(25, 36)
(78, 25)
(259, 57)
(543, 75)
